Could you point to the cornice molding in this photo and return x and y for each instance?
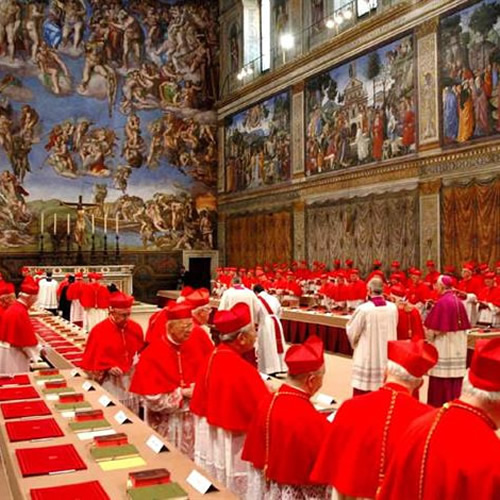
(426, 167)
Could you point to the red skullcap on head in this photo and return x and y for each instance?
(179, 310)
(449, 269)
(396, 264)
(198, 298)
(235, 319)
(398, 290)
(187, 290)
(416, 357)
(355, 270)
(78, 276)
(119, 300)
(489, 275)
(468, 267)
(377, 262)
(349, 262)
(30, 288)
(306, 357)
(430, 263)
(39, 272)
(484, 370)
(416, 272)
(25, 269)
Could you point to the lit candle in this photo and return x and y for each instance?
(55, 224)
(93, 224)
(117, 225)
(42, 218)
(105, 223)
(68, 229)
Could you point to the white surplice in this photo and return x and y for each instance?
(47, 295)
(369, 330)
(268, 358)
(239, 293)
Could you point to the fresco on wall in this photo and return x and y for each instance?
(106, 123)
(362, 111)
(257, 149)
(470, 72)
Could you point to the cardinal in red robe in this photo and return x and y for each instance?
(361, 439)
(94, 298)
(410, 325)
(226, 394)
(165, 377)
(7, 296)
(18, 342)
(112, 349)
(288, 426)
(453, 452)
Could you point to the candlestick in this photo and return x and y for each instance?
(93, 224)
(105, 223)
(42, 219)
(55, 224)
(68, 229)
(117, 227)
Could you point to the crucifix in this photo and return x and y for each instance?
(80, 225)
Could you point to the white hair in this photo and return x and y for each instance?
(376, 285)
(229, 337)
(486, 396)
(398, 371)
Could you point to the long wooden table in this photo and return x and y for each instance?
(113, 482)
(298, 324)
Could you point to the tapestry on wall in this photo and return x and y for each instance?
(470, 72)
(362, 111)
(106, 123)
(257, 150)
(256, 239)
(383, 226)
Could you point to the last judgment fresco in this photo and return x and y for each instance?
(363, 111)
(106, 124)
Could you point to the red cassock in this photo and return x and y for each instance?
(409, 324)
(164, 366)
(28, 280)
(463, 457)
(94, 295)
(351, 458)
(356, 290)
(228, 390)
(156, 325)
(490, 295)
(295, 431)
(417, 293)
(75, 290)
(432, 277)
(469, 286)
(294, 288)
(108, 346)
(16, 328)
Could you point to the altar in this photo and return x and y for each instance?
(121, 275)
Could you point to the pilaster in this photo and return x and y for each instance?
(430, 222)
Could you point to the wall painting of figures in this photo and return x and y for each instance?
(470, 72)
(257, 145)
(106, 123)
(363, 111)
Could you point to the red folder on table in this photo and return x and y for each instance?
(13, 393)
(71, 356)
(27, 430)
(56, 344)
(81, 491)
(15, 380)
(64, 350)
(24, 409)
(48, 460)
